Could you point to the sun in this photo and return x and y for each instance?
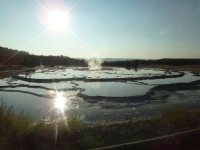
(55, 16)
(57, 21)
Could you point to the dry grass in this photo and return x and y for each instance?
(190, 68)
(18, 132)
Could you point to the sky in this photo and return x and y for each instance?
(144, 29)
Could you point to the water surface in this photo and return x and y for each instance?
(38, 107)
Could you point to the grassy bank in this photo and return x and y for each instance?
(19, 132)
(190, 68)
(176, 119)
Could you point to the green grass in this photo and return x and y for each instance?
(19, 132)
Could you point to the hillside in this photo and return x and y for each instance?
(15, 57)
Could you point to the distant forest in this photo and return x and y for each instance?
(15, 57)
(22, 58)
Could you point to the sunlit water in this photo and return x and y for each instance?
(38, 99)
(188, 77)
(113, 89)
(86, 73)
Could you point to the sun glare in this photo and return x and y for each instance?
(60, 103)
(57, 21)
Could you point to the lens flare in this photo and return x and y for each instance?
(60, 103)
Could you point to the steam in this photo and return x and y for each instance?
(94, 63)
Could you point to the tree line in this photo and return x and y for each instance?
(15, 57)
(22, 58)
(166, 61)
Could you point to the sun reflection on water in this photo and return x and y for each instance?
(59, 103)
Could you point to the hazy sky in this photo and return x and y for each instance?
(104, 28)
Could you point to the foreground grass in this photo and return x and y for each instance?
(175, 119)
(18, 132)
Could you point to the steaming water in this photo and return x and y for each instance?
(87, 73)
(38, 106)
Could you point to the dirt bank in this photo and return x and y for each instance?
(11, 70)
